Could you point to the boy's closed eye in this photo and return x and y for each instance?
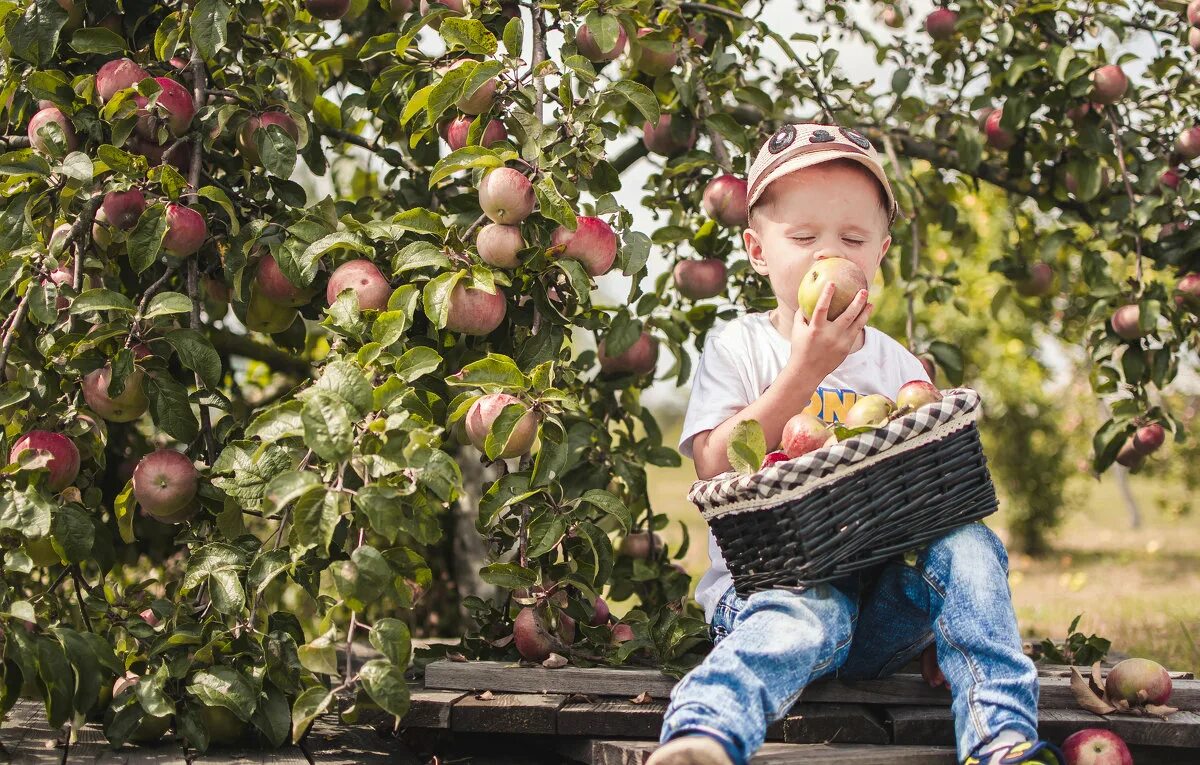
(810, 238)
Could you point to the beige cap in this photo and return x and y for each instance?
(807, 144)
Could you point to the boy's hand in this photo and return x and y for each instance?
(822, 343)
(930, 669)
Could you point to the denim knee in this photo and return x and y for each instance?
(966, 548)
(819, 615)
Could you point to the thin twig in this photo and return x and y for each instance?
(79, 587)
(11, 333)
(199, 98)
(1137, 232)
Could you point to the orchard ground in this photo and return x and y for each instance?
(1136, 588)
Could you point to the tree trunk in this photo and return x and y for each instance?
(470, 551)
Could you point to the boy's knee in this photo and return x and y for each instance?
(973, 544)
(819, 614)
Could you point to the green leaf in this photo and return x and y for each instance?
(145, 241)
(493, 373)
(508, 575)
(197, 354)
(33, 36)
(101, 40)
(466, 158)
(950, 359)
(347, 382)
(610, 504)
(286, 488)
(166, 37)
(469, 34)
(170, 408)
(305, 709)
(551, 203)
(436, 297)
(208, 27)
(545, 530)
(503, 427)
(747, 446)
(314, 519)
(385, 684)
(390, 514)
(54, 671)
(328, 426)
(642, 98)
(124, 509)
(363, 579)
(272, 716)
(100, 299)
(319, 656)
(167, 303)
(74, 534)
(392, 638)
(417, 362)
(552, 456)
(223, 686)
(218, 196)
(514, 34)
(277, 150)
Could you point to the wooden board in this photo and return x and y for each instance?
(609, 752)
(27, 738)
(92, 748)
(333, 743)
(510, 678)
(833, 724)
(507, 713)
(935, 725)
(430, 709)
(900, 689)
(611, 716)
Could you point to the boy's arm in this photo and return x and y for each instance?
(790, 393)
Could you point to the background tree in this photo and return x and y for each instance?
(237, 407)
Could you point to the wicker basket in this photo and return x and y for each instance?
(855, 504)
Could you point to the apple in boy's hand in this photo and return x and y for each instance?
(847, 279)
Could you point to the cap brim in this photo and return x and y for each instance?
(816, 158)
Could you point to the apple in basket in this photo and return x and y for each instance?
(916, 394)
(802, 434)
(774, 458)
(870, 410)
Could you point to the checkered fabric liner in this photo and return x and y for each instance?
(958, 408)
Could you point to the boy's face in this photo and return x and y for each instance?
(823, 211)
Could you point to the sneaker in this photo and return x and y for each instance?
(1024, 753)
(690, 749)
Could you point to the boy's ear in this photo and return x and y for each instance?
(754, 250)
(887, 242)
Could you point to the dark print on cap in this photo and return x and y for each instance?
(821, 136)
(857, 138)
(782, 139)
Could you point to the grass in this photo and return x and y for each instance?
(1135, 587)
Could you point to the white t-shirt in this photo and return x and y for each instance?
(740, 361)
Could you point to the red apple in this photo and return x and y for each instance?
(650, 61)
(530, 636)
(481, 99)
(455, 133)
(277, 287)
(127, 407)
(46, 116)
(506, 195)
(601, 612)
(474, 311)
(1125, 322)
(484, 412)
(869, 410)
(930, 366)
(1170, 177)
(64, 457)
(499, 244)
(892, 17)
(998, 137)
(1188, 143)
(774, 458)
(1138, 681)
(622, 633)
(700, 279)
(1078, 111)
(458, 6)
(639, 358)
(123, 208)
(640, 545)
(165, 482)
(117, 75)
(1148, 438)
(590, 49)
(174, 105)
(941, 23)
(917, 393)
(186, 231)
(1038, 280)
(802, 434)
(61, 276)
(1194, 39)
(367, 281)
(593, 243)
(660, 139)
(245, 140)
(1096, 746)
(1108, 84)
(147, 615)
(725, 200)
(845, 275)
(1187, 292)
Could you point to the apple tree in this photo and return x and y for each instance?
(274, 272)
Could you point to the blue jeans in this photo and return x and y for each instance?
(772, 644)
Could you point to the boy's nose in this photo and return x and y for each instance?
(826, 252)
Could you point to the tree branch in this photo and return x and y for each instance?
(11, 333)
(240, 345)
(199, 98)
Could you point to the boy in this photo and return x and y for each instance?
(819, 191)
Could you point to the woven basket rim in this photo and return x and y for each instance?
(960, 407)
